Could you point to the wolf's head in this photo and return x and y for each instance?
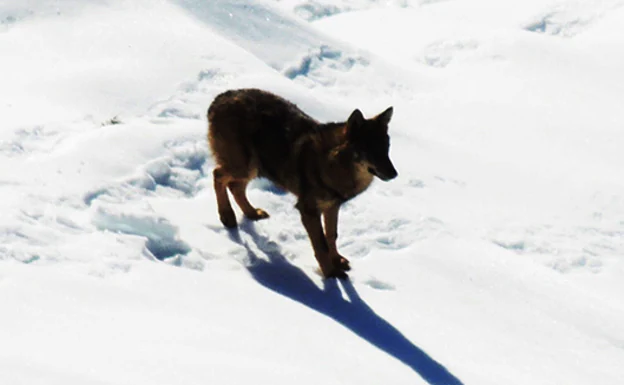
(371, 143)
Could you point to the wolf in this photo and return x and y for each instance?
(255, 133)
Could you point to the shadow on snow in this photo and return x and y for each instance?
(282, 277)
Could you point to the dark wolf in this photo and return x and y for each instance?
(254, 133)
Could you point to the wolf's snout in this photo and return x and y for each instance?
(393, 174)
(388, 176)
(384, 173)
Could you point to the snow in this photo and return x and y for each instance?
(496, 256)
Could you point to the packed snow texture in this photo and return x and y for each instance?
(496, 256)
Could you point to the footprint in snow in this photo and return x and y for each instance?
(379, 285)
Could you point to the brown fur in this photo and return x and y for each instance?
(256, 133)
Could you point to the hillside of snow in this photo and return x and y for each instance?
(496, 256)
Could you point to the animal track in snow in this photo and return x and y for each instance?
(571, 18)
(564, 248)
(416, 183)
(440, 54)
(313, 10)
(181, 171)
(189, 101)
(379, 285)
(313, 68)
(395, 234)
(29, 140)
(162, 239)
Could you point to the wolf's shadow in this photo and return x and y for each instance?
(282, 277)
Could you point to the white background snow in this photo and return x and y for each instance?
(496, 257)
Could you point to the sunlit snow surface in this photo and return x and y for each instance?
(496, 256)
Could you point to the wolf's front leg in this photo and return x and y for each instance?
(311, 219)
(330, 217)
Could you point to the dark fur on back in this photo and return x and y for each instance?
(269, 132)
(266, 128)
(257, 133)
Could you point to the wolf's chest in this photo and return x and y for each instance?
(361, 180)
(354, 182)
(343, 186)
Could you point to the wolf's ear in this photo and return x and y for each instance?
(355, 120)
(384, 117)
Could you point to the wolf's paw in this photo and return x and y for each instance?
(333, 271)
(341, 262)
(336, 273)
(228, 218)
(257, 215)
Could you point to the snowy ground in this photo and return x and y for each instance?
(496, 256)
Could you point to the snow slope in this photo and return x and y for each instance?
(494, 258)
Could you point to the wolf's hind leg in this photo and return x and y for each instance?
(221, 180)
(238, 188)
